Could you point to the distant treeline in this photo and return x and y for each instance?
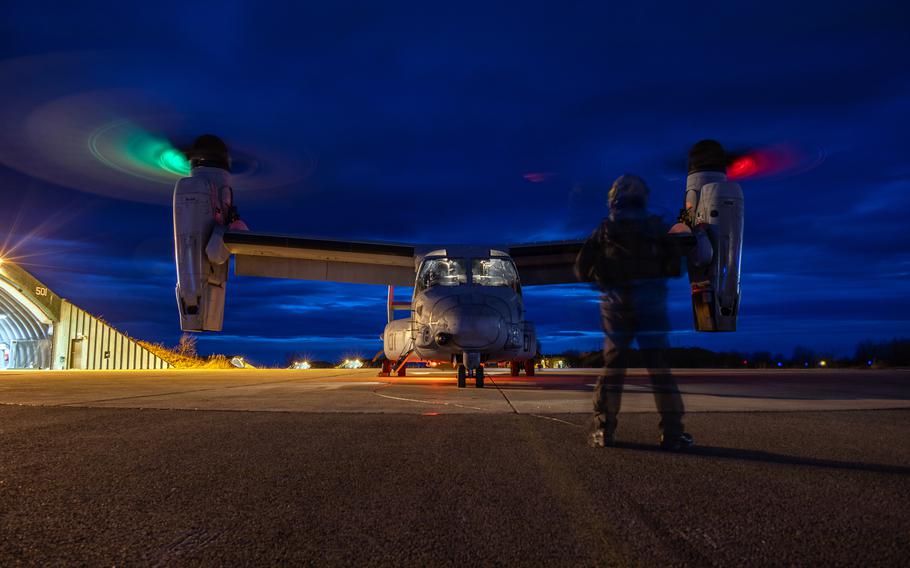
(877, 354)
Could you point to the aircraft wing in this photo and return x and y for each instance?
(550, 262)
(553, 262)
(284, 256)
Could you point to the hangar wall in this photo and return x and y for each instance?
(40, 330)
(83, 341)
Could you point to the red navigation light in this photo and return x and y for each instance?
(743, 167)
(776, 160)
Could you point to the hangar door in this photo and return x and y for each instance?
(26, 326)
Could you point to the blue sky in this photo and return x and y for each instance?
(417, 122)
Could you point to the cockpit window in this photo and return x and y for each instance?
(442, 272)
(494, 272)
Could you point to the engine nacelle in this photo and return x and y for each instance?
(200, 282)
(717, 207)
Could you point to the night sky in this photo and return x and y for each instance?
(420, 123)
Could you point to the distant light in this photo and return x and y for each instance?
(823, 363)
(538, 177)
(869, 363)
(779, 364)
(745, 362)
(2, 260)
(301, 365)
(806, 364)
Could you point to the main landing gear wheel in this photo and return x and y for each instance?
(462, 376)
(478, 378)
(515, 368)
(529, 367)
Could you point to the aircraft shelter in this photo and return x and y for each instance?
(41, 330)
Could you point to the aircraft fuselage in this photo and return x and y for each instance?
(464, 305)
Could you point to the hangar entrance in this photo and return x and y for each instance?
(26, 330)
(40, 330)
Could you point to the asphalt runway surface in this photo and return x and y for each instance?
(342, 467)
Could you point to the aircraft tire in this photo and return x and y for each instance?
(462, 376)
(478, 378)
(514, 368)
(529, 367)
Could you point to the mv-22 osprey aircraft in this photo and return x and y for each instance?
(467, 306)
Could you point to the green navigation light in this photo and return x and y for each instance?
(173, 160)
(128, 148)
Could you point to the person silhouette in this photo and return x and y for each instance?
(626, 258)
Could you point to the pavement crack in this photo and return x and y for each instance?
(566, 422)
(509, 402)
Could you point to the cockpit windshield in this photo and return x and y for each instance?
(494, 272)
(442, 272)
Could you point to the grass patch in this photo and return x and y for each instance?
(186, 361)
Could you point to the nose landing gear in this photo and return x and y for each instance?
(464, 373)
(470, 367)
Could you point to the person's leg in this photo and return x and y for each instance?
(608, 390)
(652, 329)
(666, 392)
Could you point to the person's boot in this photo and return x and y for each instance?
(600, 438)
(676, 442)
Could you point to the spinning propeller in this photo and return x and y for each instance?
(777, 160)
(90, 132)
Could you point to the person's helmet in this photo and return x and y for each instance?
(628, 191)
(209, 150)
(707, 156)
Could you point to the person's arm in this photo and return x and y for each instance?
(590, 256)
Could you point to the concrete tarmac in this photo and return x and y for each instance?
(550, 392)
(342, 467)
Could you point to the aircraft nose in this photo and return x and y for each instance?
(474, 326)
